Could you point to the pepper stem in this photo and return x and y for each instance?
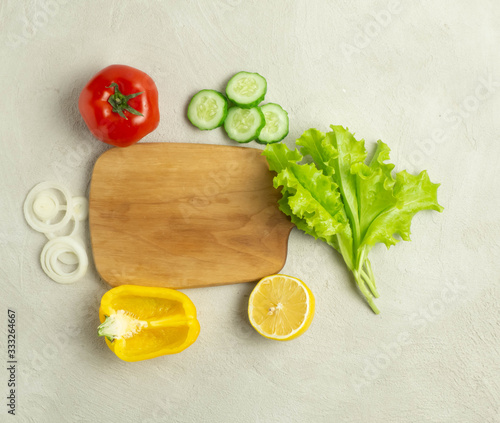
(106, 329)
(119, 101)
(120, 325)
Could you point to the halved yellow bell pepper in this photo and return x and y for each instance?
(141, 322)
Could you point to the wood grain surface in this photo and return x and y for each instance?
(185, 215)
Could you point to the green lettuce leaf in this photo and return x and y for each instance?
(347, 203)
(313, 198)
(413, 194)
(374, 188)
(279, 157)
(313, 143)
(342, 151)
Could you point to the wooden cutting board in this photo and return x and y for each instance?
(185, 216)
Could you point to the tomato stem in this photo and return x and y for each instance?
(119, 101)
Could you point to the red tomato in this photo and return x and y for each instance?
(120, 105)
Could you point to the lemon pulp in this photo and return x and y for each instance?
(281, 307)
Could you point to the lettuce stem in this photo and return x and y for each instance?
(362, 287)
(369, 270)
(370, 283)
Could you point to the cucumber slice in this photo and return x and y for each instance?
(244, 125)
(276, 124)
(246, 89)
(207, 109)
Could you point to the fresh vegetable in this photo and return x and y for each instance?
(42, 209)
(244, 125)
(80, 208)
(281, 307)
(51, 264)
(246, 122)
(207, 109)
(120, 105)
(80, 212)
(349, 204)
(246, 89)
(276, 127)
(141, 322)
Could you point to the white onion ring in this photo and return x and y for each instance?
(31, 215)
(46, 205)
(68, 258)
(51, 252)
(80, 213)
(76, 224)
(80, 208)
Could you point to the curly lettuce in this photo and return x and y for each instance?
(345, 201)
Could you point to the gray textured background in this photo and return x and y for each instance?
(422, 76)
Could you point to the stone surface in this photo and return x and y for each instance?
(422, 76)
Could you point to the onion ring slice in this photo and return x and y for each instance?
(36, 204)
(80, 208)
(50, 264)
(52, 235)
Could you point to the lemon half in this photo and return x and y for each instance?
(281, 307)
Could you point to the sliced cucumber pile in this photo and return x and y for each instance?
(207, 109)
(245, 121)
(246, 89)
(244, 125)
(276, 124)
